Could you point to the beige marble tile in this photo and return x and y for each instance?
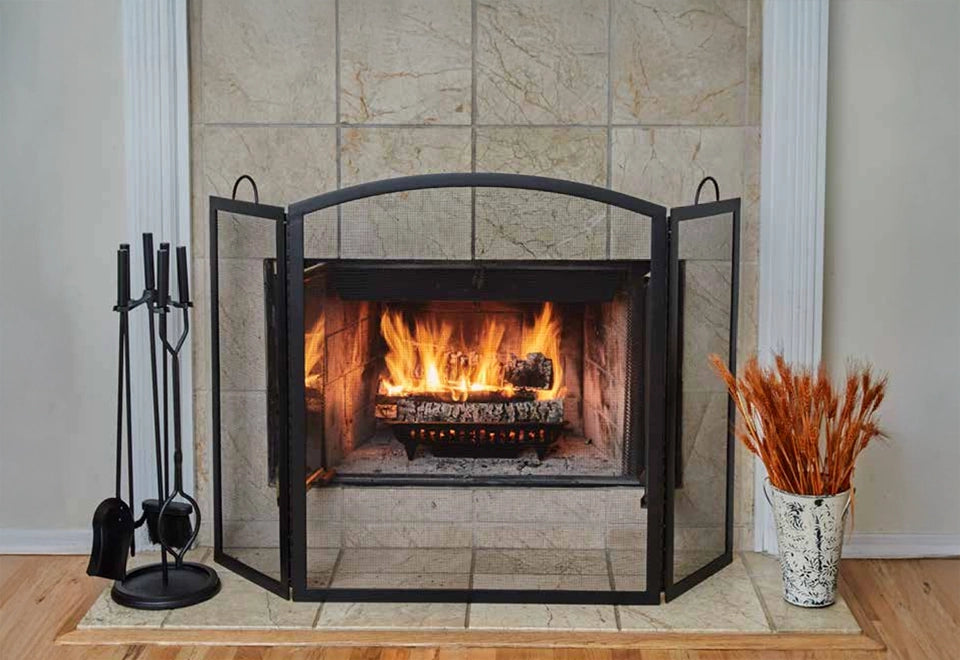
(726, 602)
(530, 535)
(623, 506)
(247, 493)
(679, 61)
(706, 322)
(265, 560)
(243, 604)
(416, 70)
(747, 312)
(540, 581)
(754, 62)
(699, 505)
(268, 62)
(289, 163)
(407, 504)
(665, 165)
(523, 224)
(536, 561)
(105, 613)
(414, 224)
(405, 560)
(628, 562)
(542, 62)
(343, 580)
(538, 616)
(325, 504)
(242, 349)
(251, 533)
(539, 505)
(407, 535)
(765, 572)
(568, 152)
(393, 616)
(750, 209)
(625, 537)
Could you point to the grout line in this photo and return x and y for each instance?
(756, 590)
(609, 130)
(333, 571)
(339, 138)
(613, 587)
(473, 568)
(473, 128)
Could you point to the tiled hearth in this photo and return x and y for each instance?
(745, 597)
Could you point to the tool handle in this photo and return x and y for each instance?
(182, 274)
(123, 275)
(163, 274)
(148, 275)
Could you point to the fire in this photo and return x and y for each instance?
(429, 361)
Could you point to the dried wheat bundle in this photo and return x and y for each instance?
(807, 434)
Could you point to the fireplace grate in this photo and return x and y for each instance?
(477, 439)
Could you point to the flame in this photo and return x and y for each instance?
(428, 360)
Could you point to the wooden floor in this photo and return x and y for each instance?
(911, 606)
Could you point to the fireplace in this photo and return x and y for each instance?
(442, 423)
(506, 373)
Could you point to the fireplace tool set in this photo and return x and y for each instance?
(171, 582)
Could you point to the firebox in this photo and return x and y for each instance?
(467, 374)
(472, 387)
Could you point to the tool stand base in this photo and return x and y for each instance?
(144, 588)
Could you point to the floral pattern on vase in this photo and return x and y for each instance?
(810, 539)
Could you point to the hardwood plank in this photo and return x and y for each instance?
(478, 638)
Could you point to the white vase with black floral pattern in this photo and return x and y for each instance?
(810, 539)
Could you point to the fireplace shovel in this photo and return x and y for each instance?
(113, 522)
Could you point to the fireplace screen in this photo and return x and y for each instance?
(474, 387)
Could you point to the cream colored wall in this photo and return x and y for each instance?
(892, 260)
(61, 211)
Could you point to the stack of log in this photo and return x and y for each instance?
(526, 375)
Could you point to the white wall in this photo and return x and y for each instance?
(61, 215)
(892, 274)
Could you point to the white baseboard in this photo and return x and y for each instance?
(866, 545)
(859, 545)
(45, 541)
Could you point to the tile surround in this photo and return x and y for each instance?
(419, 69)
(512, 86)
(679, 62)
(248, 72)
(542, 61)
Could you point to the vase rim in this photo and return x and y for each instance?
(787, 492)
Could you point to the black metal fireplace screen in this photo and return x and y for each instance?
(473, 387)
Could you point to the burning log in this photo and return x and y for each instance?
(534, 371)
(513, 411)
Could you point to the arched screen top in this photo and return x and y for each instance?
(478, 180)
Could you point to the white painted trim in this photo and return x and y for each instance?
(45, 541)
(157, 139)
(865, 545)
(792, 175)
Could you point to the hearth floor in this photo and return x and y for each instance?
(744, 597)
(571, 455)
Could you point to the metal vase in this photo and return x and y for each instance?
(810, 539)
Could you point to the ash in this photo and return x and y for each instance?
(572, 455)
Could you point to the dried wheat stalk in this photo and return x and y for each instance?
(806, 433)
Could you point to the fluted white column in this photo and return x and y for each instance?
(793, 164)
(157, 140)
